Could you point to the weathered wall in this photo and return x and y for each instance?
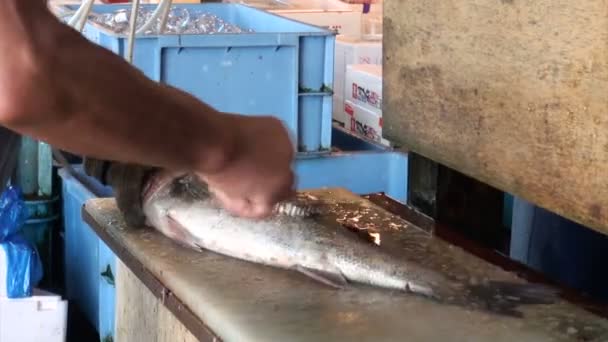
(513, 93)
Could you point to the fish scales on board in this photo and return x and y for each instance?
(182, 208)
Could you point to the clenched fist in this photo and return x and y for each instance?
(257, 173)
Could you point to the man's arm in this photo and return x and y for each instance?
(58, 87)
(85, 99)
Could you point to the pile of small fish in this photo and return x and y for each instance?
(180, 21)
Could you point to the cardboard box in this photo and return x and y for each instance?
(350, 50)
(364, 122)
(364, 86)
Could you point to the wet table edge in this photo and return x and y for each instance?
(202, 332)
(196, 327)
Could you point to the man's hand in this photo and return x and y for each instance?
(257, 173)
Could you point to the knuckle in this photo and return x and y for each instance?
(262, 210)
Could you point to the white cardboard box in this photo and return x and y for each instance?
(364, 86)
(42, 317)
(350, 50)
(364, 122)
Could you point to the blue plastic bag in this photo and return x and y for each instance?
(24, 267)
(12, 212)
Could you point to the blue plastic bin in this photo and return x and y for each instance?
(284, 68)
(563, 250)
(87, 257)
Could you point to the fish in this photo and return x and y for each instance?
(182, 208)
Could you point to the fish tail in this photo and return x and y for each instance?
(525, 294)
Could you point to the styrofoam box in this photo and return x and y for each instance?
(350, 50)
(42, 317)
(364, 122)
(364, 86)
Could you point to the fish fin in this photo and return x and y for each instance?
(200, 248)
(335, 280)
(525, 294)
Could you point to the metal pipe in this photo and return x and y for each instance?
(132, 25)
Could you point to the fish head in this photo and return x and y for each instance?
(161, 180)
(162, 196)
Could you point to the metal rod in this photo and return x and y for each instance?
(132, 25)
(165, 16)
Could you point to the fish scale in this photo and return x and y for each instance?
(295, 209)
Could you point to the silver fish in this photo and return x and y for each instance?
(182, 209)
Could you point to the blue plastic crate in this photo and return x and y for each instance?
(86, 257)
(284, 69)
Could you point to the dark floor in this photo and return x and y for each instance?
(79, 329)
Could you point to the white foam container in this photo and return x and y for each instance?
(364, 122)
(364, 86)
(351, 50)
(40, 318)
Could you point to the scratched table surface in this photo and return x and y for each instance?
(242, 301)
